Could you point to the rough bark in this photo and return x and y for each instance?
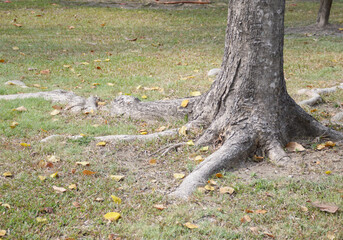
(324, 13)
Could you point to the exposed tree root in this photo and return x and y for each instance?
(168, 148)
(74, 103)
(314, 94)
(235, 148)
(117, 138)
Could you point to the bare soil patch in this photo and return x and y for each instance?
(313, 30)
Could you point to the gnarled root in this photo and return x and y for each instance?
(314, 94)
(235, 148)
(75, 103)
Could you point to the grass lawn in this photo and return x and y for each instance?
(106, 52)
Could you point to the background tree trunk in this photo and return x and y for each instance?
(324, 13)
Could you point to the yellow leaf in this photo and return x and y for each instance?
(201, 189)
(204, 149)
(143, 133)
(184, 103)
(85, 63)
(209, 187)
(152, 161)
(320, 146)
(183, 131)
(15, 48)
(160, 206)
(88, 172)
(97, 60)
(54, 175)
(7, 174)
(59, 189)
(328, 172)
(55, 112)
(83, 163)
(144, 96)
(42, 178)
(2, 233)
(6, 205)
(117, 200)
(190, 143)
(20, 109)
(117, 177)
(95, 84)
(190, 225)
(228, 190)
(198, 159)
(219, 175)
(66, 66)
(54, 159)
(101, 103)
(101, 144)
(112, 216)
(14, 124)
(340, 29)
(25, 144)
(41, 220)
(36, 85)
(72, 186)
(330, 144)
(179, 175)
(195, 94)
(107, 60)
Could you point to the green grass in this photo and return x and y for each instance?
(174, 50)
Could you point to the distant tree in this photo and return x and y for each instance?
(324, 13)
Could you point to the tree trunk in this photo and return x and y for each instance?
(324, 13)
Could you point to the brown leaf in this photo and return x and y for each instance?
(76, 204)
(246, 218)
(325, 207)
(249, 211)
(152, 161)
(49, 210)
(260, 211)
(59, 189)
(88, 172)
(45, 72)
(160, 206)
(268, 234)
(57, 107)
(295, 147)
(131, 39)
(228, 190)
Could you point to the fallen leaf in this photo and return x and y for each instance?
(99, 199)
(209, 187)
(3, 233)
(320, 146)
(152, 161)
(190, 143)
(219, 175)
(330, 144)
(195, 94)
(254, 229)
(161, 129)
(25, 144)
(101, 103)
(15, 48)
(2, 60)
(73, 170)
(325, 207)
(184, 103)
(340, 29)
(17, 25)
(76, 204)
(131, 39)
(204, 149)
(107, 60)
(36, 85)
(54, 175)
(110, 84)
(45, 72)
(55, 112)
(41, 220)
(328, 172)
(160, 206)
(42, 178)
(212, 182)
(7, 174)
(201, 189)
(178, 175)
(117, 177)
(257, 158)
(88, 172)
(330, 236)
(183, 131)
(85, 63)
(143, 133)
(112, 216)
(190, 225)
(228, 190)
(20, 109)
(6, 205)
(14, 124)
(83, 163)
(295, 147)
(54, 159)
(117, 200)
(59, 189)
(72, 187)
(260, 211)
(49, 210)
(101, 143)
(97, 60)
(144, 96)
(198, 159)
(99, 68)
(268, 234)
(304, 209)
(246, 218)
(71, 27)
(249, 211)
